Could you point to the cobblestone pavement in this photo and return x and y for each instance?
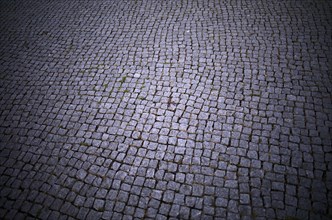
(165, 109)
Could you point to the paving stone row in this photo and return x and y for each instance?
(148, 109)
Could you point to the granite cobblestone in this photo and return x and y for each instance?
(185, 109)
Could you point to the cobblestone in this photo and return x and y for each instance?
(185, 109)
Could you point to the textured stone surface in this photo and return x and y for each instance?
(165, 109)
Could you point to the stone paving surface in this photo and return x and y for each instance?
(165, 109)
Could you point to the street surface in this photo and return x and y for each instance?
(178, 109)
